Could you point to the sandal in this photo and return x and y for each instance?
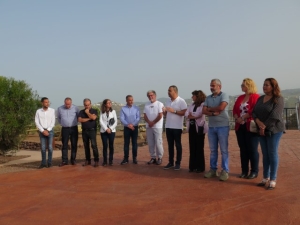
(272, 185)
(263, 182)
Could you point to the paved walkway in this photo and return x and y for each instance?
(142, 194)
(33, 157)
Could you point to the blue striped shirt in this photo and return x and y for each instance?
(68, 117)
(130, 115)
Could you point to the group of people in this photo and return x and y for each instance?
(265, 111)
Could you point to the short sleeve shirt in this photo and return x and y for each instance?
(152, 110)
(175, 121)
(88, 124)
(221, 120)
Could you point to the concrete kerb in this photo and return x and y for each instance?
(34, 156)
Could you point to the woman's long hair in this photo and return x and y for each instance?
(276, 90)
(103, 106)
(200, 97)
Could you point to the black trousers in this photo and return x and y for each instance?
(89, 137)
(174, 136)
(108, 137)
(196, 143)
(69, 133)
(133, 135)
(248, 144)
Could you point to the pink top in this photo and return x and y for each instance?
(200, 121)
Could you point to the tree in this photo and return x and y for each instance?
(18, 103)
(98, 115)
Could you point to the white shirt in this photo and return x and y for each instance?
(104, 121)
(152, 110)
(45, 119)
(173, 120)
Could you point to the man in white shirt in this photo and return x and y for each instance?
(153, 115)
(45, 121)
(174, 111)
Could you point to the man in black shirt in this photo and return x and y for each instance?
(87, 117)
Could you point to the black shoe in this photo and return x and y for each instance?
(87, 162)
(152, 161)
(159, 161)
(96, 164)
(168, 166)
(62, 164)
(243, 175)
(42, 166)
(177, 167)
(73, 162)
(125, 161)
(135, 161)
(190, 170)
(252, 176)
(110, 163)
(104, 164)
(49, 165)
(199, 171)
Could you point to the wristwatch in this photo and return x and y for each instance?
(175, 112)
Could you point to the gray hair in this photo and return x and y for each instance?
(68, 98)
(87, 99)
(217, 81)
(151, 91)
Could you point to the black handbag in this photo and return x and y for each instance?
(111, 121)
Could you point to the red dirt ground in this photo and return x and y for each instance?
(143, 194)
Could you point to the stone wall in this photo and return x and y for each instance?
(37, 146)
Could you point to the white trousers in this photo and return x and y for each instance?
(155, 142)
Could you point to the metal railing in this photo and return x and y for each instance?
(291, 118)
(297, 111)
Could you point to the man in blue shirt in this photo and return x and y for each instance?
(130, 117)
(216, 108)
(67, 116)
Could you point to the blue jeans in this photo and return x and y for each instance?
(44, 139)
(108, 137)
(269, 148)
(133, 134)
(218, 136)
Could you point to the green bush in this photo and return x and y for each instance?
(18, 103)
(98, 114)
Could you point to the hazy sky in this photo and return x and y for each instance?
(108, 49)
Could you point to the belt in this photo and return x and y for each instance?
(69, 127)
(88, 129)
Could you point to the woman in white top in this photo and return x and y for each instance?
(195, 119)
(108, 123)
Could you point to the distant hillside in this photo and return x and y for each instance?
(291, 98)
(291, 92)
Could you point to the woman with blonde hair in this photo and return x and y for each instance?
(247, 141)
(108, 123)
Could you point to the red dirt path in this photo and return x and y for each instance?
(142, 194)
